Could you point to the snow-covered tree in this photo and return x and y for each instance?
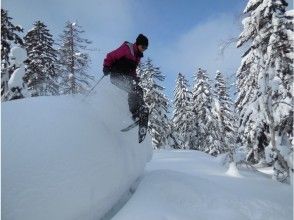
(265, 83)
(159, 126)
(277, 82)
(16, 84)
(225, 115)
(9, 36)
(205, 137)
(173, 139)
(42, 74)
(249, 123)
(183, 115)
(74, 60)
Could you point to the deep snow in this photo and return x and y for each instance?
(182, 185)
(65, 157)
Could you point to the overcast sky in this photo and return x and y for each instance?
(183, 35)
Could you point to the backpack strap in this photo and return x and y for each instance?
(130, 45)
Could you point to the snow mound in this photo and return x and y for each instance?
(65, 157)
(233, 171)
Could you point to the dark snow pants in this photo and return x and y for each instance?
(130, 84)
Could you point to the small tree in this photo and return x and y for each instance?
(73, 60)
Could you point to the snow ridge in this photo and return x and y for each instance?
(65, 157)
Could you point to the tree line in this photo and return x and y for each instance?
(203, 117)
(51, 68)
(259, 122)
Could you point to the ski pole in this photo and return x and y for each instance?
(95, 86)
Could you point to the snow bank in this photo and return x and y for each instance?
(233, 171)
(65, 157)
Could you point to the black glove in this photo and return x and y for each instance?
(106, 70)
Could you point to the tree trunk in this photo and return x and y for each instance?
(271, 121)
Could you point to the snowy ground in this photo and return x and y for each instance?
(181, 185)
(66, 158)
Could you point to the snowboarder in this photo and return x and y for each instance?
(121, 64)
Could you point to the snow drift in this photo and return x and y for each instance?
(65, 157)
(192, 185)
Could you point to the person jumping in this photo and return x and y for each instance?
(121, 65)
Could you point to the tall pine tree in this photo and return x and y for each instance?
(42, 74)
(225, 115)
(74, 60)
(205, 137)
(265, 83)
(183, 115)
(9, 36)
(159, 126)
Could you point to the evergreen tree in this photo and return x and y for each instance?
(205, 137)
(225, 115)
(42, 74)
(16, 84)
(277, 82)
(9, 36)
(173, 139)
(74, 61)
(183, 115)
(265, 82)
(159, 126)
(249, 124)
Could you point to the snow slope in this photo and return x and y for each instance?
(182, 185)
(65, 157)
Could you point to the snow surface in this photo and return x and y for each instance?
(180, 185)
(233, 171)
(65, 157)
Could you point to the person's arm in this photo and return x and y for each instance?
(113, 56)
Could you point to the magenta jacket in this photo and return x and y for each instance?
(124, 59)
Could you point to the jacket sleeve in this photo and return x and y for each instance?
(115, 55)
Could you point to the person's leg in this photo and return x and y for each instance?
(135, 92)
(136, 101)
(122, 81)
